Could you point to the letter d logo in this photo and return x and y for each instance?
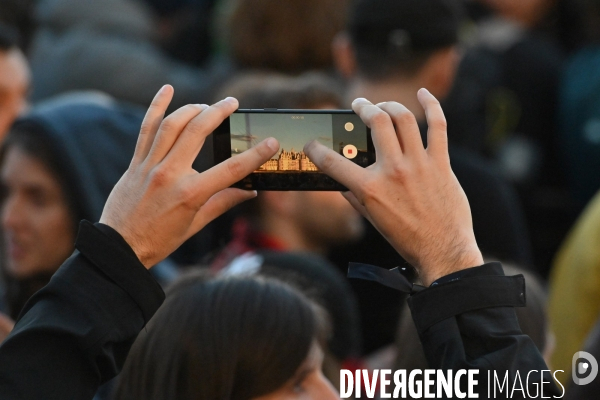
(582, 363)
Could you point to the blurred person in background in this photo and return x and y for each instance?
(574, 305)
(389, 50)
(58, 165)
(122, 46)
(295, 220)
(186, 29)
(112, 46)
(324, 284)
(559, 21)
(504, 106)
(506, 83)
(579, 115)
(16, 27)
(14, 78)
(289, 36)
(240, 337)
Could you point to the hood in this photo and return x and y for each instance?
(95, 136)
(116, 17)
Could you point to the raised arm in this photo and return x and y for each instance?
(76, 332)
(465, 316)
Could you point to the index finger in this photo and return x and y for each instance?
(437, 135)
(190, 141)
(407, 129)
(383, 133)
(151, 123)
(333, 164)
(234, 169)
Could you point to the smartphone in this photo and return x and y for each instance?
(290, 169)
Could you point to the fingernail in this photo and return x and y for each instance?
(160, 91)
(273, 143)
(424, 90)
(229, 99)
(360, 99)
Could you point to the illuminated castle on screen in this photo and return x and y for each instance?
(289, 161)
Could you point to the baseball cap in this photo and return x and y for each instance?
(407, 26)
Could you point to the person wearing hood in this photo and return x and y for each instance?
(58, 165)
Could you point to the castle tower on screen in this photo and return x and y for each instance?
(289, 161)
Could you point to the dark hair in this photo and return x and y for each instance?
(226, 338)
(327, 286)
(286, 36)
(271, 90)
(9, 37)
(16, 23)
(397, 37)
(375, 64)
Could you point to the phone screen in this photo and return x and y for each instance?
(291, 168)
(344, 133)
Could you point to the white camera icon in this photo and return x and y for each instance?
(580, 368)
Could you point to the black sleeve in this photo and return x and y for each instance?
(76, 332)
(467, 320)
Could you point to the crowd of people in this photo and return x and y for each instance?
(258, 305)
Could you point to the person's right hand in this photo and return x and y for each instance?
(410, 194)
(161, 201)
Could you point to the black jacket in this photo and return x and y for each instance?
(76, 332)
(467, 320)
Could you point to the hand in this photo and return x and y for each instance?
(161, 201)
(410, 194)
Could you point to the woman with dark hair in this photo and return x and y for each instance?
(230, 338)
(37, 219)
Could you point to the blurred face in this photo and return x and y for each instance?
(14, 85)
(327, 217)
(38, 231)
(308, 383)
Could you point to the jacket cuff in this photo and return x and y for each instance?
(106, 249)
(464, 291)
